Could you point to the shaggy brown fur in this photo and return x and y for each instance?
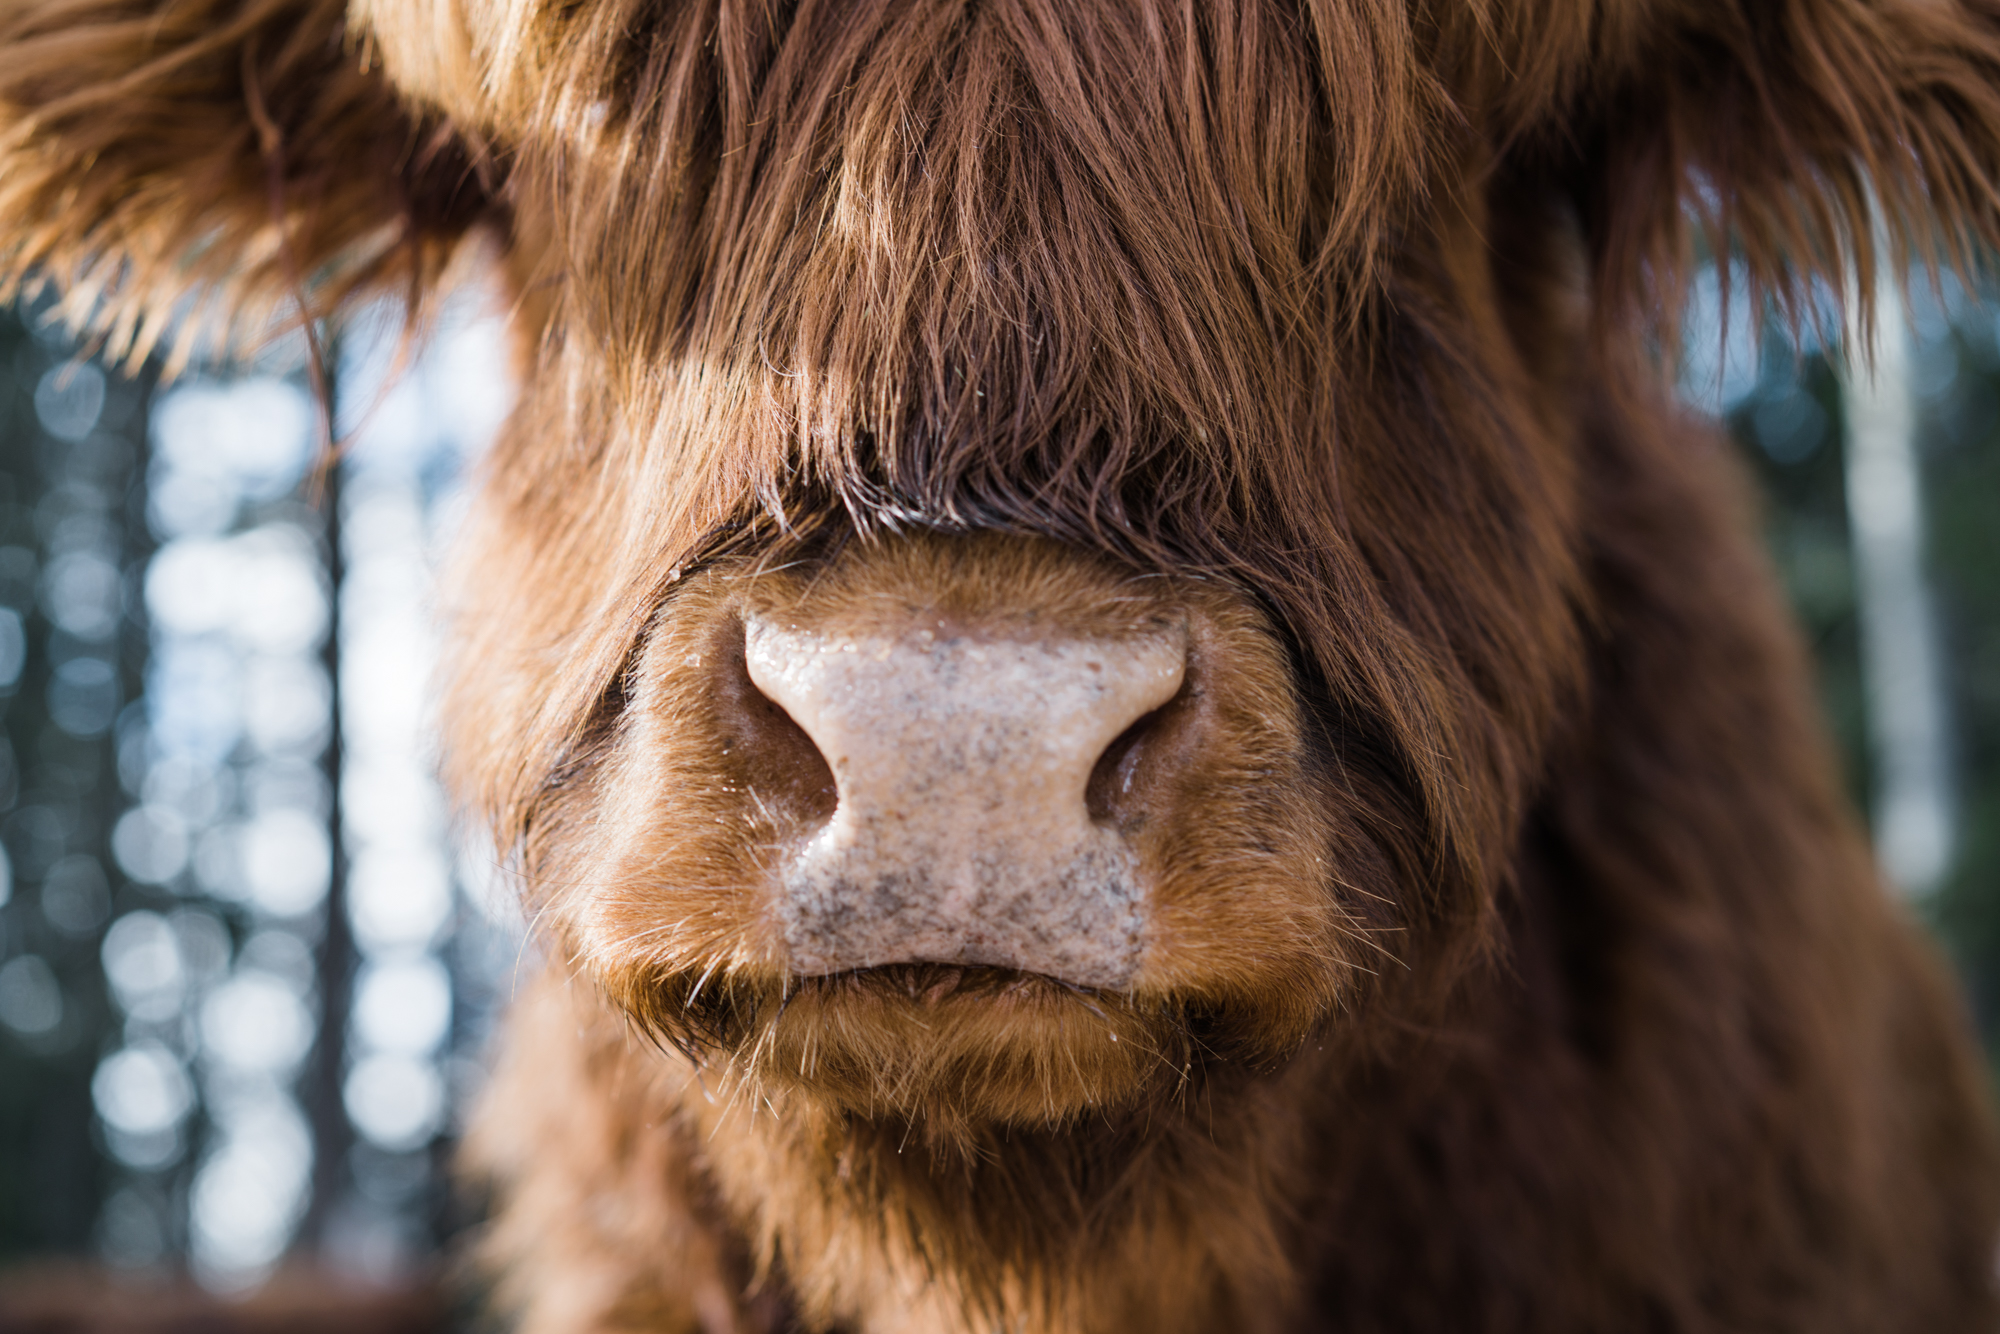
(1525, 970)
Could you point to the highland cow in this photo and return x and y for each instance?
(1120, 698)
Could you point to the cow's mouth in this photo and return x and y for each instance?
(929, 984)
(938, 1041)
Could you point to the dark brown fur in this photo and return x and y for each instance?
(1338, 315)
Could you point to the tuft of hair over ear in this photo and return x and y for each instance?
(1803, 135)
(242, 150)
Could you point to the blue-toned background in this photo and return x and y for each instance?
(245, 968)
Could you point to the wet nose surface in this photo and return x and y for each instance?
(961, 833)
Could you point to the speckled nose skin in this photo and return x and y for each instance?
(961, 833)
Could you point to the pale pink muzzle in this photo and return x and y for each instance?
(962, 834)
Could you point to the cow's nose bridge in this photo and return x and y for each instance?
(961, 833)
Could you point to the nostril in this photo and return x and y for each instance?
(772, 753)
(1110, 795)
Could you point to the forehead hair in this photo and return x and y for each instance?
(971, 256)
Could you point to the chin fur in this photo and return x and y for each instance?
(947, 1048)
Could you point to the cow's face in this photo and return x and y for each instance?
(1043, 549)
(988, 619)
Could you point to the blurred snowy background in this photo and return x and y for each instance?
(245, 973)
